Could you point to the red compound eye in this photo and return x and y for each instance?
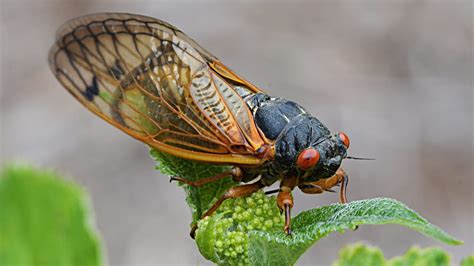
(307, 159)
(345, 139)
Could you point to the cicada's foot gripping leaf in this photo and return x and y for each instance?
(318, 187)
(232, 193)
(285, 203)
(338, 179)
(285, 200)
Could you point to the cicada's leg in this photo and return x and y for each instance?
(322, 185)
(285, 203)
(235, 172)
(232, 193)
(309, 188)
(343, 190)
(285, 200)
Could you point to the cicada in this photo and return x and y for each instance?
(153, 82)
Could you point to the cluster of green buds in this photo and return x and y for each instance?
(223, 237)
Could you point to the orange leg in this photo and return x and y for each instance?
(232, 193)
(322, 185)
(342, 192)
(236, 174)
(285, 200)
(285, 203)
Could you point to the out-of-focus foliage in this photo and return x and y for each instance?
(363, 255)
(44, 220)
(422, 257)
(468, 261)
(360, 255)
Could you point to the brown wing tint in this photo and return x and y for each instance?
(153, 82)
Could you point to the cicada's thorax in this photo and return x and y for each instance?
(292, 129)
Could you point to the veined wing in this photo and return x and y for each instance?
(153, 82)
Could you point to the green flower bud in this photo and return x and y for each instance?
(223, 237)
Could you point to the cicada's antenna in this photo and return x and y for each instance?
(359, 158)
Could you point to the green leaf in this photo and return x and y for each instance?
(199, 199)
(362, 255)
(310, 226)
(468, 261)
(44, 220)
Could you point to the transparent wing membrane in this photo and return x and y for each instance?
(153, 82)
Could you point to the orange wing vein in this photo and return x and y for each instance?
(151, 81)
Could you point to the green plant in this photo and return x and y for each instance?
(363, 255)
(468, 261)
(44, 220)
(227, 239)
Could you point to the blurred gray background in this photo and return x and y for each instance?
(396, 76)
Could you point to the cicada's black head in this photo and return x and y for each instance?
(322, 159)
(308, 149)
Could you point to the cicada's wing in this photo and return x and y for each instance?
(150, 80)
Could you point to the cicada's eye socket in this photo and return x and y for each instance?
(345, 139)
(307, 159)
